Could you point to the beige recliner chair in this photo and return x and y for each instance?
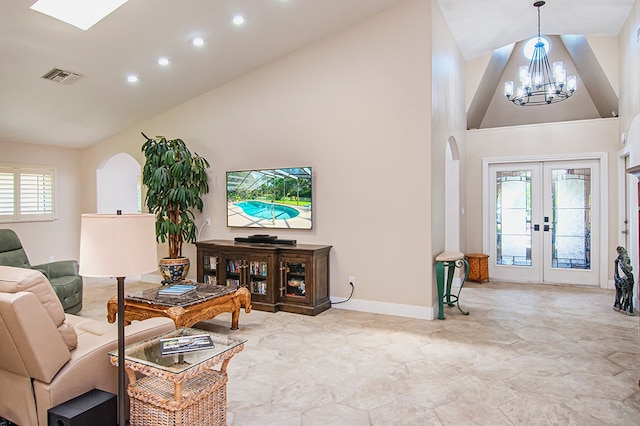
(48, 357)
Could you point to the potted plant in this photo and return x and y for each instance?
(175, 180)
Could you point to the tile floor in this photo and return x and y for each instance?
(526, 355)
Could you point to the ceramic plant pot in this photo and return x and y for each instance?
(174, 270)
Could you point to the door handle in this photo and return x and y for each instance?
(546, 228)
(536, 227)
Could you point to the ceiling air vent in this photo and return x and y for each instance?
(61, 76)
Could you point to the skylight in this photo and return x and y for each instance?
(80, 13)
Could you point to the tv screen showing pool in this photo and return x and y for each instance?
(269, 198)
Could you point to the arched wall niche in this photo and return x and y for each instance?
(119, 185)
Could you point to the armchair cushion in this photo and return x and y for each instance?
(63, 275)
(60, 268)
(11, 251)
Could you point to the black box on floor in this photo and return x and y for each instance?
(94, 408)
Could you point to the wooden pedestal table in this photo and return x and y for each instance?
(206, 302)
(449, 260)
(179, 389)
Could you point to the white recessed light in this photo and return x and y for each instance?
(163, 60)
(197, 41)
(132, 78)
(80, 13)
(238, 19)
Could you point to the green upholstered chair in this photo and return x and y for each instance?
(63, 275)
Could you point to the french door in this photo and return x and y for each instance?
(544, 222)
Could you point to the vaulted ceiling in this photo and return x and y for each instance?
(101, 103)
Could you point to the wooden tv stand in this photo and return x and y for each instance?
(280, 277)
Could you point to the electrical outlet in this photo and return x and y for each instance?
(208, 221)
(352, 280)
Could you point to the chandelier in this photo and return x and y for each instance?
(541, 83)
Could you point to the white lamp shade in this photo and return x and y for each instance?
(117, 245)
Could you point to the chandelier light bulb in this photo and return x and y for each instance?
(572, 83)
(538, 80)
(508, 88)
(523, 71)
(551, 93)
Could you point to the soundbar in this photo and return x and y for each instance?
(264, 239)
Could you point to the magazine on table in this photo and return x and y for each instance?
(175, 345)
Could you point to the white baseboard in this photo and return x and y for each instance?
(409, 311)
(384, 308)
(611, 285)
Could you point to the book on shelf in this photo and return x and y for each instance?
(233, 283)
(210, 263)
(176, 290)
(175, 345)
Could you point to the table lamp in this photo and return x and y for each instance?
(118, 245)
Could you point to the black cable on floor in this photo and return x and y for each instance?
(347, 299)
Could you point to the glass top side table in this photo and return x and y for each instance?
(146, 357)
(182, 388)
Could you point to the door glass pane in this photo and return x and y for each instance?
(571, 225)
(513, 218)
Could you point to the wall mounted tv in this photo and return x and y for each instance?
(270, 198)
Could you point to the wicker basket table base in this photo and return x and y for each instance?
(203, 402)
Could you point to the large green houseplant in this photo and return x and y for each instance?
(175, 180)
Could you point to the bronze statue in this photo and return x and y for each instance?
(623, 278)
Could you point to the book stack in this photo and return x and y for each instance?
(176, 290)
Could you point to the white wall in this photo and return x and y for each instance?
(59, 238)
(356, 107)
(629, 106)
(448, 120)
(629, 81)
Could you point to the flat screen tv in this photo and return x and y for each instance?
(270, 198)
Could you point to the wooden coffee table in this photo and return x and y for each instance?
(206, 302)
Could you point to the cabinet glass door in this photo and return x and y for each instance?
(210, 269)
(233, 272)
(294, 280)
(258, 277)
